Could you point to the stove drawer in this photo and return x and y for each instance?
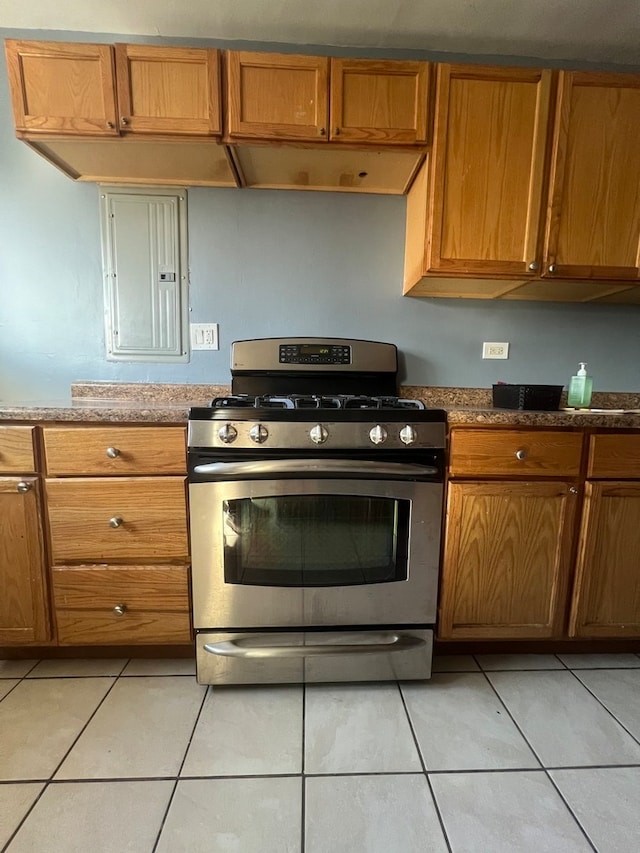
(118, 520)
(125, 604)
(117, 450)
(313, 656)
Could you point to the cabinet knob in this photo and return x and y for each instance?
(124, 121)
(120, 609)
(337, 131)
(24, 486)
(322, 131)
(110, 125)
(573, 490)
(116, 521)
(521, 455)
(112, 452)
(552, 267)
(533, 266)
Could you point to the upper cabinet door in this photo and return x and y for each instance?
(168, 90)
(593, 229)
(381, 101)
(62, 88)
(487, 170)
(277, 96)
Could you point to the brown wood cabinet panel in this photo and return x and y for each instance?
(115, 450)
(593, 229)
(277, 96)
(614, 456)
(168, 89)
(606, 600)
(153, 600)
(506, 560)
(24, 613)
(547, 453)
(379, 101)
(118, 520)
(190, 161)
(487, 170)
(16, 449)
(62, 87)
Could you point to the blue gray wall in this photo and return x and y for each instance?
(265, 263)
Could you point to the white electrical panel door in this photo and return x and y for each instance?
(144, 249)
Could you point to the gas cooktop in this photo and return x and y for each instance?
(314, 401)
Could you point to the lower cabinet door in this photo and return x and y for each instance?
(24, 611)
(118, 605)
(606, 600)
(507, 560)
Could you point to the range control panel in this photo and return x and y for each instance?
(316, 353)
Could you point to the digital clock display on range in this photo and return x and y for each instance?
(313, 349)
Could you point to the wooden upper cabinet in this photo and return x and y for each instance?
(383, 101)
(593, 230)
(606, 601)
(62, 88)
(277, 96)
(487, 170)
(171, 90)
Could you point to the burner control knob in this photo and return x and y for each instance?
(318, 434)
(227, 433)
(378, 434)
(408, 435)
(258, 433)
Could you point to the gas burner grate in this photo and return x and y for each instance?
(313, 401)
(362, 402)
(236, 401)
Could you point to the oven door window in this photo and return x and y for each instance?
(315, 540)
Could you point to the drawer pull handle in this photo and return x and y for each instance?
(120, 609)
(113, 452)
(116, 521)
(24, 486)
(521, 455)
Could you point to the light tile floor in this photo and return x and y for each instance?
(496, 753)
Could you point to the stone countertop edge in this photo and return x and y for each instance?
(164, 403)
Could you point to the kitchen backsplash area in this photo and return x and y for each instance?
(266, 263)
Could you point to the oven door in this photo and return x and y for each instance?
(291, 551)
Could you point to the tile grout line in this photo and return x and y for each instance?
(177, 778)
(543, 768)
(354, 774)
(611, 714)
(303, 782)
(424, 770)
(60, 763)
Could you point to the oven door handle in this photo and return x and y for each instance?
(245, 648)
(325, 467)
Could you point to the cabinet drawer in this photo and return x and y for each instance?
(128, 519)
(502, 452)
(16, 449)
(614, 456)
(152, 605)
(116, 450)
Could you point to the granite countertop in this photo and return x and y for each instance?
(165, 403)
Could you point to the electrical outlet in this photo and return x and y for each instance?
(491, 349)
(204, 335)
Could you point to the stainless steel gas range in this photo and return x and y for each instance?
(315, 517)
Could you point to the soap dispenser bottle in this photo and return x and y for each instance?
(579, 395)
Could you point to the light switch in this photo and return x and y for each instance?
(204, 336)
